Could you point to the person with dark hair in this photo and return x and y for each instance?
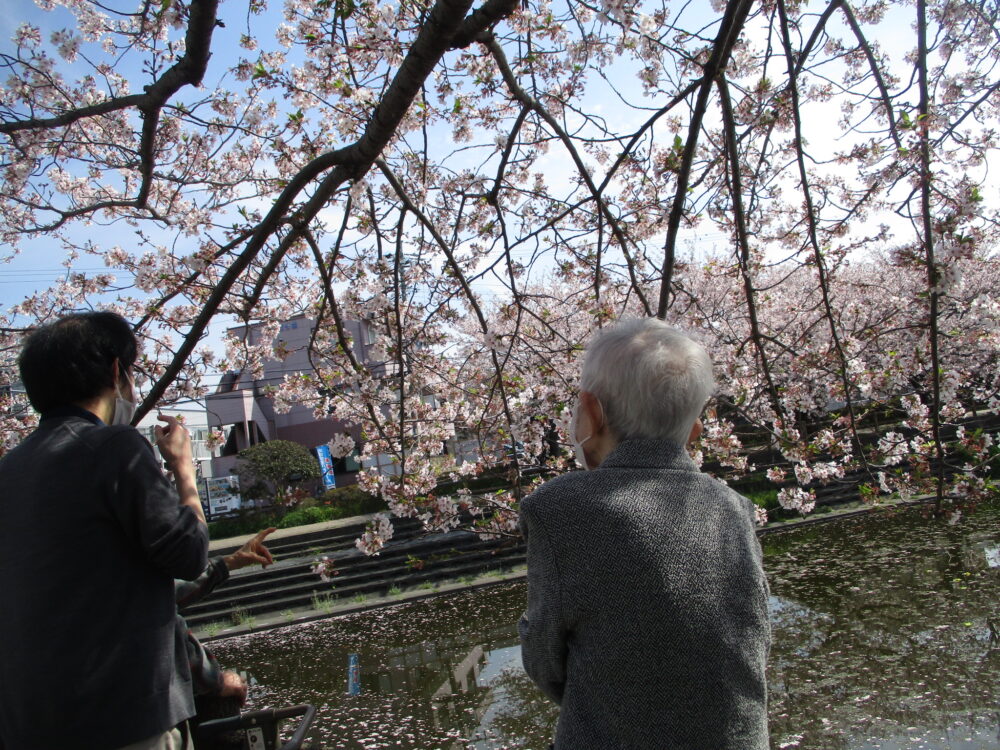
(67, 362)
(92, 538)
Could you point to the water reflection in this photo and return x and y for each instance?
(353, 675)
(889, 643)
(885, 636)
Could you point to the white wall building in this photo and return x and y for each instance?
(195, 418)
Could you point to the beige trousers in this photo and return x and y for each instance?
(178, 738)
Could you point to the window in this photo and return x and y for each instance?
(350, 462)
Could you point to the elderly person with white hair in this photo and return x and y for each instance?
(647, 602)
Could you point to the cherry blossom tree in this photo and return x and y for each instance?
(488, 185)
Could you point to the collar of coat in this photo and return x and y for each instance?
(651, 454)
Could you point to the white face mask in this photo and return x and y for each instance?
(124, 409)
(581, 457)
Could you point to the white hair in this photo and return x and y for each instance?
(652, 380)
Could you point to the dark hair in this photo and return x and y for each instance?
(70, 360)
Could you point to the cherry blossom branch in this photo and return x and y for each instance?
(621, 159)
(470, 296)
(188, 71)
(810, 213)
(397, 267)
(351, 162)
(322, 266)
(528, 101)
(933, 275)
(736, 193)
(262, 233)
(93, 208)
(184, 284)
(947, 133)
(873, 65)
(338, 322)
(729, 31)
(493, 196)
(480, 21)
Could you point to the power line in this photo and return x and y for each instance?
(61, 271)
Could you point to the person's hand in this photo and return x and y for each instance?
(251, 553)
(233, 686)
(174, 442)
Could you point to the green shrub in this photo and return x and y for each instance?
(344, 495)
(276, 464)
(484, 482)
(341, 502)
(303, 516)
(245, 523)
(765, 498)
(351, 501)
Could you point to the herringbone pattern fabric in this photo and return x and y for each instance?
(647, 606)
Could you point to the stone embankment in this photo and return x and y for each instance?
(416, 565)
(412, 565)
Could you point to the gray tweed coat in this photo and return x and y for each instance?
(647, 606)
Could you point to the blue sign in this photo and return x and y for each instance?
(353, 675)
(326, 466)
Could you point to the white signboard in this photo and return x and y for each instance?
(223, 494)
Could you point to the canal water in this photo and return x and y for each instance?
(885, 633)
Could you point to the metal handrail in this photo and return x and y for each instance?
(269, 716)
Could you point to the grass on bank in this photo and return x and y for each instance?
(332, 505)
(340, 502)
(324, 603)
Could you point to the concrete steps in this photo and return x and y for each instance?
(296, 544)
(413, 564)
(411, 560)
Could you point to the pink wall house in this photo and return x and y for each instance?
(241, 408)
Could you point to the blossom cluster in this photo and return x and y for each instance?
(459, 236)
(325, 568)
(377, 533)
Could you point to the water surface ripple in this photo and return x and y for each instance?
(885, 636)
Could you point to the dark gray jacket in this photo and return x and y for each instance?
(647, 606)
(206, 674)
(91, 540)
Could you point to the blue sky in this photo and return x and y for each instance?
(39, 263)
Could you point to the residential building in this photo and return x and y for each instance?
(242, 408)
(194, 417)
